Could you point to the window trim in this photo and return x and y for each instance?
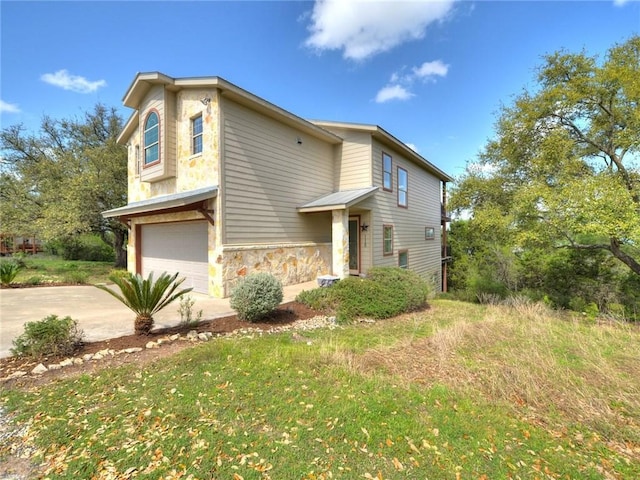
(406, 189)
(146, 164)
(403, 252)
(194, 136)
(136, 150)
(385, 252)
(429, 233)
(390, 172)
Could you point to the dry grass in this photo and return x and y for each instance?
(551, 369)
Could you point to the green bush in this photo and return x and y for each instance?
(256, 296)
(35, 280)
(84, 247)
(385, 292)
(49, 336)
(8, 272)
(320, 299)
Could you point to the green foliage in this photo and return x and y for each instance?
(49, 336)
(80, 278)
(320, 299)
(8, 272)
(145, 297)
(185, 310)
(256, 296)
(35, 280)
(81, 247)
(58, 181)
(384, 293)
(561, 167)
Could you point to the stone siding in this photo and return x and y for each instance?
(291, 264)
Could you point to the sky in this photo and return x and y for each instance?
(432, 73)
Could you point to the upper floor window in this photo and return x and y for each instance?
(387, 176)
(387, 240)
(151, 138)
(196, 135)
(403, 187)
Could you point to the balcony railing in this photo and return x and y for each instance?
(445, 216)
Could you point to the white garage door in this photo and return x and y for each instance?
(177, 247)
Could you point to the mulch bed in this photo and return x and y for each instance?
(285, 314)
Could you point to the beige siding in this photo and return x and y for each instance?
(353, 166)
(267, 174)
(409, 223)
(156, 100)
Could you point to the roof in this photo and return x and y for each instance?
(164, 202)
(385, 137)
(143, 82)
(338, 200)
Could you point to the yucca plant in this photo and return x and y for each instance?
(8, 272)
(144, 296)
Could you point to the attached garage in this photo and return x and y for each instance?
(176, 247)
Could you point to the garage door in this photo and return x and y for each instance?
(177, 247)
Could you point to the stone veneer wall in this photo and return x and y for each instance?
(291, 264)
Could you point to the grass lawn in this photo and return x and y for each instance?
(43, 269)
(461, 391)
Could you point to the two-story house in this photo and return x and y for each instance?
(223, 183)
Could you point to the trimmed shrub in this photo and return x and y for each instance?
(256, 296)
(8, 272)
(49, 336)
(84, 247)
(385, 292)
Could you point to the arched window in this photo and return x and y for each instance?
(151, 139)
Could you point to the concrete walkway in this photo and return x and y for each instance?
(99, 314)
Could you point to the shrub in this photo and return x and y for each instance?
(320, 299)
(144, 297)
(49, 336)
(186, 311)
(35, 280)
(8, 272)
(384, 293)
(256, 296)
(84, 247)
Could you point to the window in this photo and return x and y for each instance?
(137, 150)
(151, 139)
(196, 135)
(402, 187)
(387, 176)
(403, 258)
(387, 243)
(429, 233)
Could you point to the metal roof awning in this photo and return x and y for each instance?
(338, 200)
(165, 203)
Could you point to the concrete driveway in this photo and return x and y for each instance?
(99, 315)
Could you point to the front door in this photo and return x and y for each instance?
(354, 245)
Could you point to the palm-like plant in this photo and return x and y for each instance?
(8, 272)
(146, 297)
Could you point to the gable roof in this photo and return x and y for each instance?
(143, 82)
(385, 137)
(338, 200)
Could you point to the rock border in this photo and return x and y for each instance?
(193, 336)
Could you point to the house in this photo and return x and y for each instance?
(223, 183)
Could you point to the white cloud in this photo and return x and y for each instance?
(400, 82)
(393, 92)
(9, 107)
(428, 70)
(412, 147)
(363, 28)
(620, 3)
(75, 83)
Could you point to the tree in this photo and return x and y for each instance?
(56, 183)
(564, 164)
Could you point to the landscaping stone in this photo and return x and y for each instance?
(87, 356)
(55, 366)
(132, 350)
(67, 362)
(175, 337)
(151, 345)
(39, 369)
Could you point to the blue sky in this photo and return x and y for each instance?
(433, 74)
